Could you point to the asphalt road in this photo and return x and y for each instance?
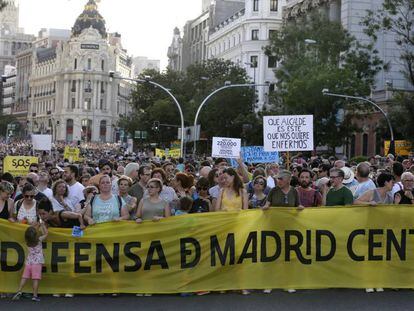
(310, 300)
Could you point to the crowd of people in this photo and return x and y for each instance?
(118, 187)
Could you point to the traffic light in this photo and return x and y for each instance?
(156, 125)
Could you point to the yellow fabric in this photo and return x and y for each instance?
(278, 248)
(231, 204)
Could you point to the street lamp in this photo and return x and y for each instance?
(391, 150)
(148, 80)
(204, 102)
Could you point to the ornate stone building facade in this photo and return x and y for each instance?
(72, 95)
(12, 38)
(241, 38)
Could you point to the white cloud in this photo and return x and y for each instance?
(146, 26)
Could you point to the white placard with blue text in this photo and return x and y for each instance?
(288, 133)
(224, 147)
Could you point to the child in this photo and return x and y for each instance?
(185, 205)
(34, 261)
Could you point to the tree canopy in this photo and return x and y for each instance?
(314, 54)
(224, 114)
(396, 17)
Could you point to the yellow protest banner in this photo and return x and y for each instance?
(329, 247)
(18, 165)
(402, 147)
(173, 153)
(71, 153)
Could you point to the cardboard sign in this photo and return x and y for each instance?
(42, 142)
(18, 166)
(402, 147)
(172, 153)
(256, 154)
(288, 133)
(224, 147)
(72, 154)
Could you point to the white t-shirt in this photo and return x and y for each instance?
(214, 191)
(397, 187)
(59, 207)
(76, 193)
(47, 192)
(270, 182)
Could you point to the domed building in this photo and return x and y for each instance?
(72, 95)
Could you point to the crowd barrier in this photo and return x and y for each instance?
(326, 247)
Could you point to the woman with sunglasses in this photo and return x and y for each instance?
(26, 208)
(257, 199)
(6, 204)
(153, 207)
(203, 202)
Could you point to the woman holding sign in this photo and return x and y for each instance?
(233, 197)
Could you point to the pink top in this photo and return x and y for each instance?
(35, 255)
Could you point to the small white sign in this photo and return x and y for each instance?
(288, 133)
(224, 147)
(42, 142)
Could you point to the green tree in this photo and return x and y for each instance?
(225, 113)
(396, 17)
(314, 54)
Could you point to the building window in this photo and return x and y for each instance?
(75, 66)
(102, 131)
(88, 104)
(89, 64)
(273, 5)
(102, 87)
(102, 65)
(255, 34)
(365, 144)
(73, 104)
(272, 33)
(253, 61)
(86, 130)
(272, 62)
(73, 89)
(88, 87)
(255, 5)
(352, 148)
(69, 130)
(101, 104)
(378, 142)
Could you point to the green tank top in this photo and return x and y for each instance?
(150, 209)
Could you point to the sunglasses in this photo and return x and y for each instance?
(27, 196)
(34, 171)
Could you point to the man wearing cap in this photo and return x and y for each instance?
(338, 194)
(364, 182)
(283, 194)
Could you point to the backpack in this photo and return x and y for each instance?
(119, 204)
